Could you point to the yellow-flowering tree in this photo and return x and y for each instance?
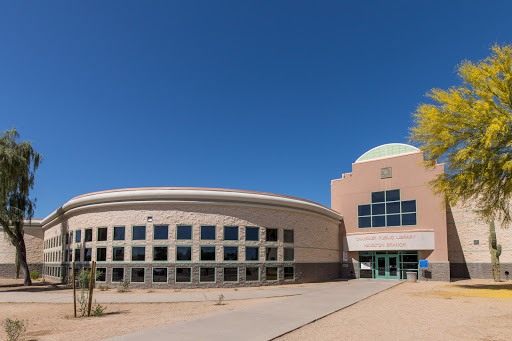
(469, 127)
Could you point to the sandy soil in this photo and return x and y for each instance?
(463, 310)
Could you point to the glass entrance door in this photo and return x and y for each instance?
(387, 267)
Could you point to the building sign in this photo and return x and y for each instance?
(345, 256)
(366, 265)
(385, 173)
(423, 240)
(423, 263)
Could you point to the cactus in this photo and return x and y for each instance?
(495, 250)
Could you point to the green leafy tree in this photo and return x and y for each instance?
(18, 164)
(469, 127)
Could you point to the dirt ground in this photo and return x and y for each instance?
(462, 310)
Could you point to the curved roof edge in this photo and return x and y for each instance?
(386, 150)
(175, 194)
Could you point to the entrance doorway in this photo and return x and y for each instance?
(387, 267)
(387, 264)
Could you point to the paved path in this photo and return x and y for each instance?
(268, 320)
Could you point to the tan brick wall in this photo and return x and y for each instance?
(33, 243)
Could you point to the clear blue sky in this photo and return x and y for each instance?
(274, 96)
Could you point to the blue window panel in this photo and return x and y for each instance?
(252, 233)
(161, 232)
(78, 236)
(138, 253)
(408, 206)
(230, 253)
(379, 221)
(364, 210)
(230, 232)
(365, 222)
(184, 232)
(118, 232)
(378, 209)
(409, 219)
(252, 253)
(139, 233)
(378, 197)
(393, 207)
(208, 232)
(207, 253)
(393, 220)
(393, 195)
(183, 253)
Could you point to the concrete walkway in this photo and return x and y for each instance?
(268, 320)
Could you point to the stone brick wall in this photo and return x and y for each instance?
(34, 244)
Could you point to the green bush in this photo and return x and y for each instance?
(13, 328)
(98, 309)
(34, 274)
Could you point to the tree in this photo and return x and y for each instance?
(18, 164)
(469, 127)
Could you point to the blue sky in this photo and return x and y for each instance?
(273, 96)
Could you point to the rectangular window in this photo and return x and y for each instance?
(230, 232)
(139, 233)
(70, 237)
(252, 274)
(102, 274)
(160, 253)
(289, 254)
(101, 254)
(288, 236)
(118, 254)
(230, 274)
(207, 253)
(208, 232)
(161, 232)
(183, 275)
(271, 274)
(230, 253)
(378, 197)
(289, 273)
(102, 234)
(184, 232)
(387, 210)
(183, 253)
(70, 256)
(118, 232)
(252, 253)
(207, 275)
(271, 235)
(78, 236)
(252, 234)
(271, 253)
(77, 255)
(138, 275)
(117, 274)
(67, 238)
(88, 235)
(138, 253)
(159, 275)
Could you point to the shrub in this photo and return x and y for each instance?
(104, 287)
(13, 328)
(125, 286)
(98, 309)
(34, 274)
(220, 299)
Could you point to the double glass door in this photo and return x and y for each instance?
(387, 266)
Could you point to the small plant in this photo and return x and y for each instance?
(34, 274)
(104, 287)
(98, 309)
(125, 286)
(13, 328)
(220, 300)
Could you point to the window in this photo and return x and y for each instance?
(184, 232)
(271, 235)
(252, 253)
(289, 273)
(183, 253)
(102, 274)
(386, 209)
(252, 234)
(207, 253)
(118, 232)
(70, 256)
(78, 236)
(207, 275)
(138, 275)
(101, 254)
(230, 232)
(289, 254)
(288, 236)
(138, 253)
(230, 274)
(208, 232)
(102, 234)
(252, 274)
(118, 254)
(159, 275)
(77, 255)
(117, 274)
(271, 253)
(160, 232)
(70, 237)
(230, 253)
(183, 275)
(160, 253)
(271, 274)
(67, 238)
(88, 235)
(139, 233)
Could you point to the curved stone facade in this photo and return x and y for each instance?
(245, 227)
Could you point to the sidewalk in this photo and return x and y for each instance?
(268, 320)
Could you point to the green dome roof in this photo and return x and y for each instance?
(386, 150)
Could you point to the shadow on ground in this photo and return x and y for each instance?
(485, 286)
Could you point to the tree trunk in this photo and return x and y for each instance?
(17, 265)
(22, 257)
